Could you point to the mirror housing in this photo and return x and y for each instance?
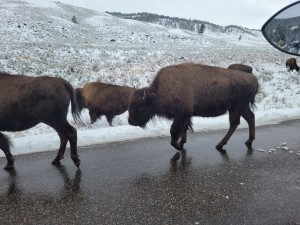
(282, 30)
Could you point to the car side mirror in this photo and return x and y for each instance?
(282, 30)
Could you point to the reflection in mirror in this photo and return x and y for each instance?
(283, 29)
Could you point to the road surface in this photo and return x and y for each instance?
(136, 182)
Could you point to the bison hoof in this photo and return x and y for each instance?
(181, 144)
(9, 166)
(249, 147)
(176, 145)
(56, 162)
(219, 147)
(248, 143)
(76, 161)
(222, 151)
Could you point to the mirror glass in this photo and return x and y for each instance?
(283, 29)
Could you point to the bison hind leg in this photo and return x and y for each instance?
(62, 148)
(187, 126)
(5, 146)
(66, 133)
(249, 116)
(178, 131)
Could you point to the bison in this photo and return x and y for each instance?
(241, 67)
(181, 91)
(291, 64)
(26, 101)
(103, 99)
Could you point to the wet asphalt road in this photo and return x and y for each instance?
(135, 183)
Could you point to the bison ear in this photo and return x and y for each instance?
(148, 98)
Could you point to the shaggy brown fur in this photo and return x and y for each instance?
(291, 64)
(26, 101)
(103, 99)
(241, 67)
(185, 90)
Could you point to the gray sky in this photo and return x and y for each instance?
(246, 13)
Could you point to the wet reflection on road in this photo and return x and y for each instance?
(147, 182)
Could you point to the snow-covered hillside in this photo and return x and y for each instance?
(38, 40)
(41, 39)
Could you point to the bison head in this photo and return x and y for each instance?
(141, 108)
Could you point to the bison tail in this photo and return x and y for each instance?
(252, 103)
(79, 99)
(75, 110)
(190, 126)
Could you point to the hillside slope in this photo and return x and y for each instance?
(39, 39)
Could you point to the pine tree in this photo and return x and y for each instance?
(74, 20)
(201, 29)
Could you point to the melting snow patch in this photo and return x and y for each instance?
(272, 150)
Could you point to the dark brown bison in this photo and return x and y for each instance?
(241, 67)
(103, 99)
(291, 64)
(181, 91)
(26, 101)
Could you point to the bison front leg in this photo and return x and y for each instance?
(93, 116)
(176, 132)
(187, 125)
(109, 119)
(5, 146)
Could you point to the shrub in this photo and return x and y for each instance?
(74, 20)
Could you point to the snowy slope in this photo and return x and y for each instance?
(39, 38)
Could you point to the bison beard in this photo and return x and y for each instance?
(185, 90)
